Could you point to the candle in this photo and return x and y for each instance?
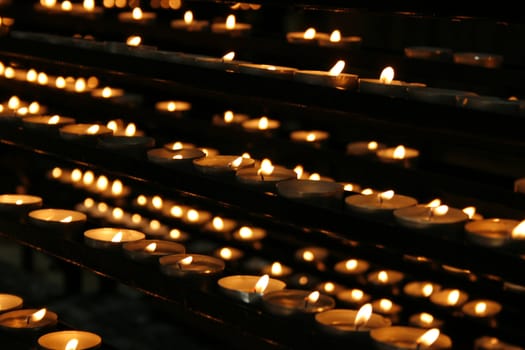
(312, 254)
(69, 340)
(276, 269)
(249, 288)
(429, 53)
(303, 281)
(111, 237)
(173, 108)
(432, 217)
(222, 164)
(386, 85)
(351, 267)
(28, 319)
(107, 93)
(261, 124)
(267, 70)
(191, 265)
(231, 27)
(388, 308)
(352, 323)
(336, 39)
(309, 36)
(86, 9)
(229, 118)
(19, 203)
(150, 250)
(350, 187)
(249, 234)
(181, 157)
(449, 298)
(137, 16)
(266, 175)
(46, 124)
(330, 288)
(176, 235)
(10, 302)
(319, 193)
(472, 214)
(353, 297)
(486, 60)
(155, 229)
(421, 289)
(494, 232)
(220, 227)
(380, 205)
(58, 219)
(385, 278)
(409, 338)
(309, 136)
(229, 254)
(189, 23)
(121, 129)
(134, 145)
(493, 343)
(196, 217)
(424, 320)
(400, 155)
(364, 148)
(481, 308)
(84, 132)
(331, 78)
(296, 302)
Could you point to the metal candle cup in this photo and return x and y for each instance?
(420, 218)
(449, 298)
(84, 132)
(111, 237)
(481, 308)
(376, 205)
(46, 124)
(406, 338)
(59, 340)
(173, 108)
(243, 287)
(490, 232)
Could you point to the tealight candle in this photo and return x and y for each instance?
(107, 93)
(493, 343)
(493, 232)
(386, 279)
(381, 205)
(249, 288)
(111, 237)
(472, 214)
(276, 269)
(350, 187)
(331, 78)
(155, 229)
(191, 265)
(388, 308)
(28, 319)
(10, 302)
(409, 338)
(220, 226)
(491, 104)
(267, 175)
(47, 124)
(351, 323)
(481, 308)
(176, 235)
(321, 193)
(400, 154)
(178, 145)
(137, 16)
(351, 267)
(309, 136)
(296, 302)
(386, 85)
(364, 148)
(150, 250)
(424, 320)
(482, 59)
(309, 36)
(449, 298)
(196, 217)
(19, 203)
(84, 132)
(336, 39)
(303, 281)
(222, 164)
(181, 157)
(173, 108)
(231, 27)
(428, 53)
(312, 254)
(421, 289)
(229, 254)
(353, 297)
(330, 288)
(267, 70)
(261, 124)
(189, 23)
(133, 145)
(69, 339)
(58, 219)
(229, 118)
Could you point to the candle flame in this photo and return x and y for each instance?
(117, 187)
(60, 82)
(188, 17)
(9, 73)
(136, 218)
(42, 78)
(117, 213)
(428, 338)
(218, 223)
(470, 211)
(22, 111)
(177, 146)
(228, 116)
(309, 34)
(93, 129)
(171, 107)
(357, 294)
(367, 191)
(34, 107)
(313, 297)
(186, 261)
(151, 247)
(13, 103)
(363, 315)
(315, 177)
(136, 14)
(106, 92)
(337, 68)
(308, 255)
(192, 215)
(155, 224)
(311, 137)
(229, 56)
(236, 162)
(76, 175)
(335, 37)
(117, 237)
(298, 170)
(176, 211)
(245, 232)
(329, 287)
(38, 315)
(453, 297)
(230, 22)
(382, 276)
(246, 155)
(72, 344)
(142, 200)
(276, 269)
(48, 3)
(385, 305)
(66, 6)
(175, 234)
(80, 85)
(372, 145)
(480, 308)
(19, 202)
(266, 167)
(67, 219)
(518, 232)
(134, 40)
(441, 210)
(53, 120)
(426, 318)
(262, 284)
(387, 195)
(102, 183)
(427, 289)
(31, 75)
(351, 264)
(387, 75)
(226, 253)
(89, 5)
(399, 152)
(434, 203)
(130, 130)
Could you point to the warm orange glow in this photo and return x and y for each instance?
(228, 116)
(13, 103)
(385, 305)
(480, 308)
(93, 129)
(38, 315)
(102, 183)
(399, 152)
(434, 203)
(89, 203)
(367, 191)
(372, 145)
(262, 284)
(470, 211)
(310, 137)
(313, 297)
(186, 261)
(157, 202)
(188, 17)
(42, 78)
(315, 177)
(337, 68)
(117, 213)
(266, 167)
(102, 207)
(107, 92)
(427, 289)
(176, 211)
(117, 237)
(60, 82)
(151, 247)
(308, 255)
(142, 200)
(276, 269)
(226, 253)
(351, 264)
(363, 315)
(48, 3)
(357, 294)
(246, 155)
(218, 223)
(155, 225)
(387, 195)
(192, 215)
(382, 276)
(117, 188)
(19, 202)
(441, 210)
(72, 344)
(76, 175)
(34, 107)
(66, 5)
(177, 146)
(229, 56)
(299, 171)
(309, 34)
(335, 37)
(453, 297)
(426, 318)
(518, 232)
(136, 218)
(137, 14)
(112, 124)
(131, 129)
(80, 85)
(387, 75)
(89, 5)
(53, 120)
(428, 338)
(134, 40)
(230, 22)
(67, 219)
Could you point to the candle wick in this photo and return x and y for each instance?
(262, 176)
(380, 199)
(430, 215)
(418, 346)
(28, 320)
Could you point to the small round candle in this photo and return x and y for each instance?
(330, 288)
(364, 148)
(424, 320)
(249, 288)
(493, 343)
(482, 59)
(191, 265)
(309, 36)
(481, 308)
(383, 204)
(229, 118)
(84, 131)
(137, 16)
(196, 217)
(220, 226)
(222, 164)
(249, 234)
(10, 302)
(385, 277)
(150, 250)
(28, 319)
(331, 78)
(349, 322)
(174, 108)
(312, 254)
(432, 217)
(388, 308)
(78, 340)
(309, 136)
(421, 289)
(353, 297)
(180, 157)
(107, 92)
(400, 154)
(46, 123)
(111, 237)
(176, 235)
(409, 338)
(311, 190)
(19, 203)
(493, 232)
(189, 23)
(449, 298)
(265, 175)
(295, 302)
(351, 267)
(336, 39)
(261, 124)
(229, 254)
(231, 27)
(386, 85)
(178, 145)
(58, 219)
(276, 269)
